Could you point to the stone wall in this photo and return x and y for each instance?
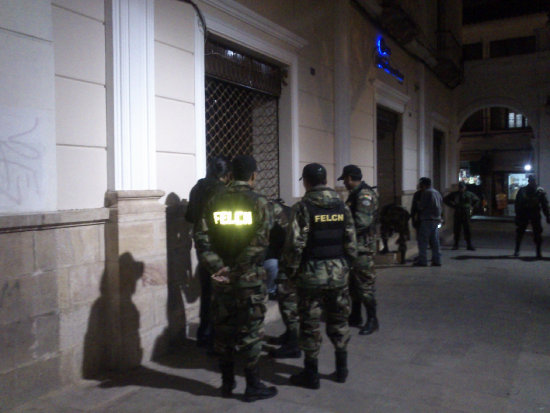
(51, 266)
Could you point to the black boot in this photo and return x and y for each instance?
(228, 378)
(255, 389)
(341, 366)
(372, 321)
(290, 349)
(355, 318)
(471, 247)
(308, 377)
(539, 253)
(516, 249)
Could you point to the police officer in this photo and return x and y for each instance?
(463, 202)
(286, 290)
(231, 240)
(363, 203)
(530, 200)
(217, 175)
(318, 249)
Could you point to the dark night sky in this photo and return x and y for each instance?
(476, 11)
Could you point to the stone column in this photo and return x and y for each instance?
(342, 99)
(135, 245)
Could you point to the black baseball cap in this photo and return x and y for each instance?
(351, 170)
(243, 167)
(314, 172)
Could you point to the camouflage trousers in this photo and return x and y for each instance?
(287, 298)
(362, 280)
(238, 319)
(335, 303)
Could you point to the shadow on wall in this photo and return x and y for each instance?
(182, 286)
(112, 339)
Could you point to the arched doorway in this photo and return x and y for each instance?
(496, 155)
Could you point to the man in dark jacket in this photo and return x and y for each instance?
(429, 208)
(217, 175)
(530, 200)
(463, 202)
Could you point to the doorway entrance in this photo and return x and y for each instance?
(388, 158)
(437, 167)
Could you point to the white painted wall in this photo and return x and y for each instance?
(79, 43)
(175, 97)
(27, 123)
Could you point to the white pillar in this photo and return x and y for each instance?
(130, 94)
(342, 100)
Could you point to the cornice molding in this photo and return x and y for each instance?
(389, 96)
(244, 14)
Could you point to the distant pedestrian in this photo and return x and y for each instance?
(429, 208)
(530, 200)
(463, 202)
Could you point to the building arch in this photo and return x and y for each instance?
(503, 101)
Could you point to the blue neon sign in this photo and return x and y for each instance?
(383, 53)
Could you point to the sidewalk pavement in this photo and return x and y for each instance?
(470, 336)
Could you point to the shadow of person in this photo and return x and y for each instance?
(147, 377)
(112, 339)
(181, 284)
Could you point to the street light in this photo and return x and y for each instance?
(527, 167)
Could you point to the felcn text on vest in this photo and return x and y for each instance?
(329, 218)
(233, 218)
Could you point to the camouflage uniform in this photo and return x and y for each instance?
(463, 204)
(363, 203)
(287, 297)
(530, 200)
(322, 283)
(239, 307)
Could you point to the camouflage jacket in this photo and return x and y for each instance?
(363, 203)
(246, 268)
(529, 202)
(462, 202)
(317, 273)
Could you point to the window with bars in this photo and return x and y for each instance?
(242, 97)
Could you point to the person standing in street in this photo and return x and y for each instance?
(217, 175)
(429, 208)
(318, 251)
(530, 200)
(463, 202)
(363, 203)
(232, 238)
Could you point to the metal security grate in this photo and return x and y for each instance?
(240, 121)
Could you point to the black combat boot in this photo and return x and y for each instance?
(308, 377)
(355, 318)
(290, 349)
(539, 253)
(255, 389)
(372, 321)
(516, 249)
(341, 366)
(228, 378)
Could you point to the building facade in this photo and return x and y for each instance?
(109, 110)
(503, 104)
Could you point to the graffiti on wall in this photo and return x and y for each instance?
(22, 152)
